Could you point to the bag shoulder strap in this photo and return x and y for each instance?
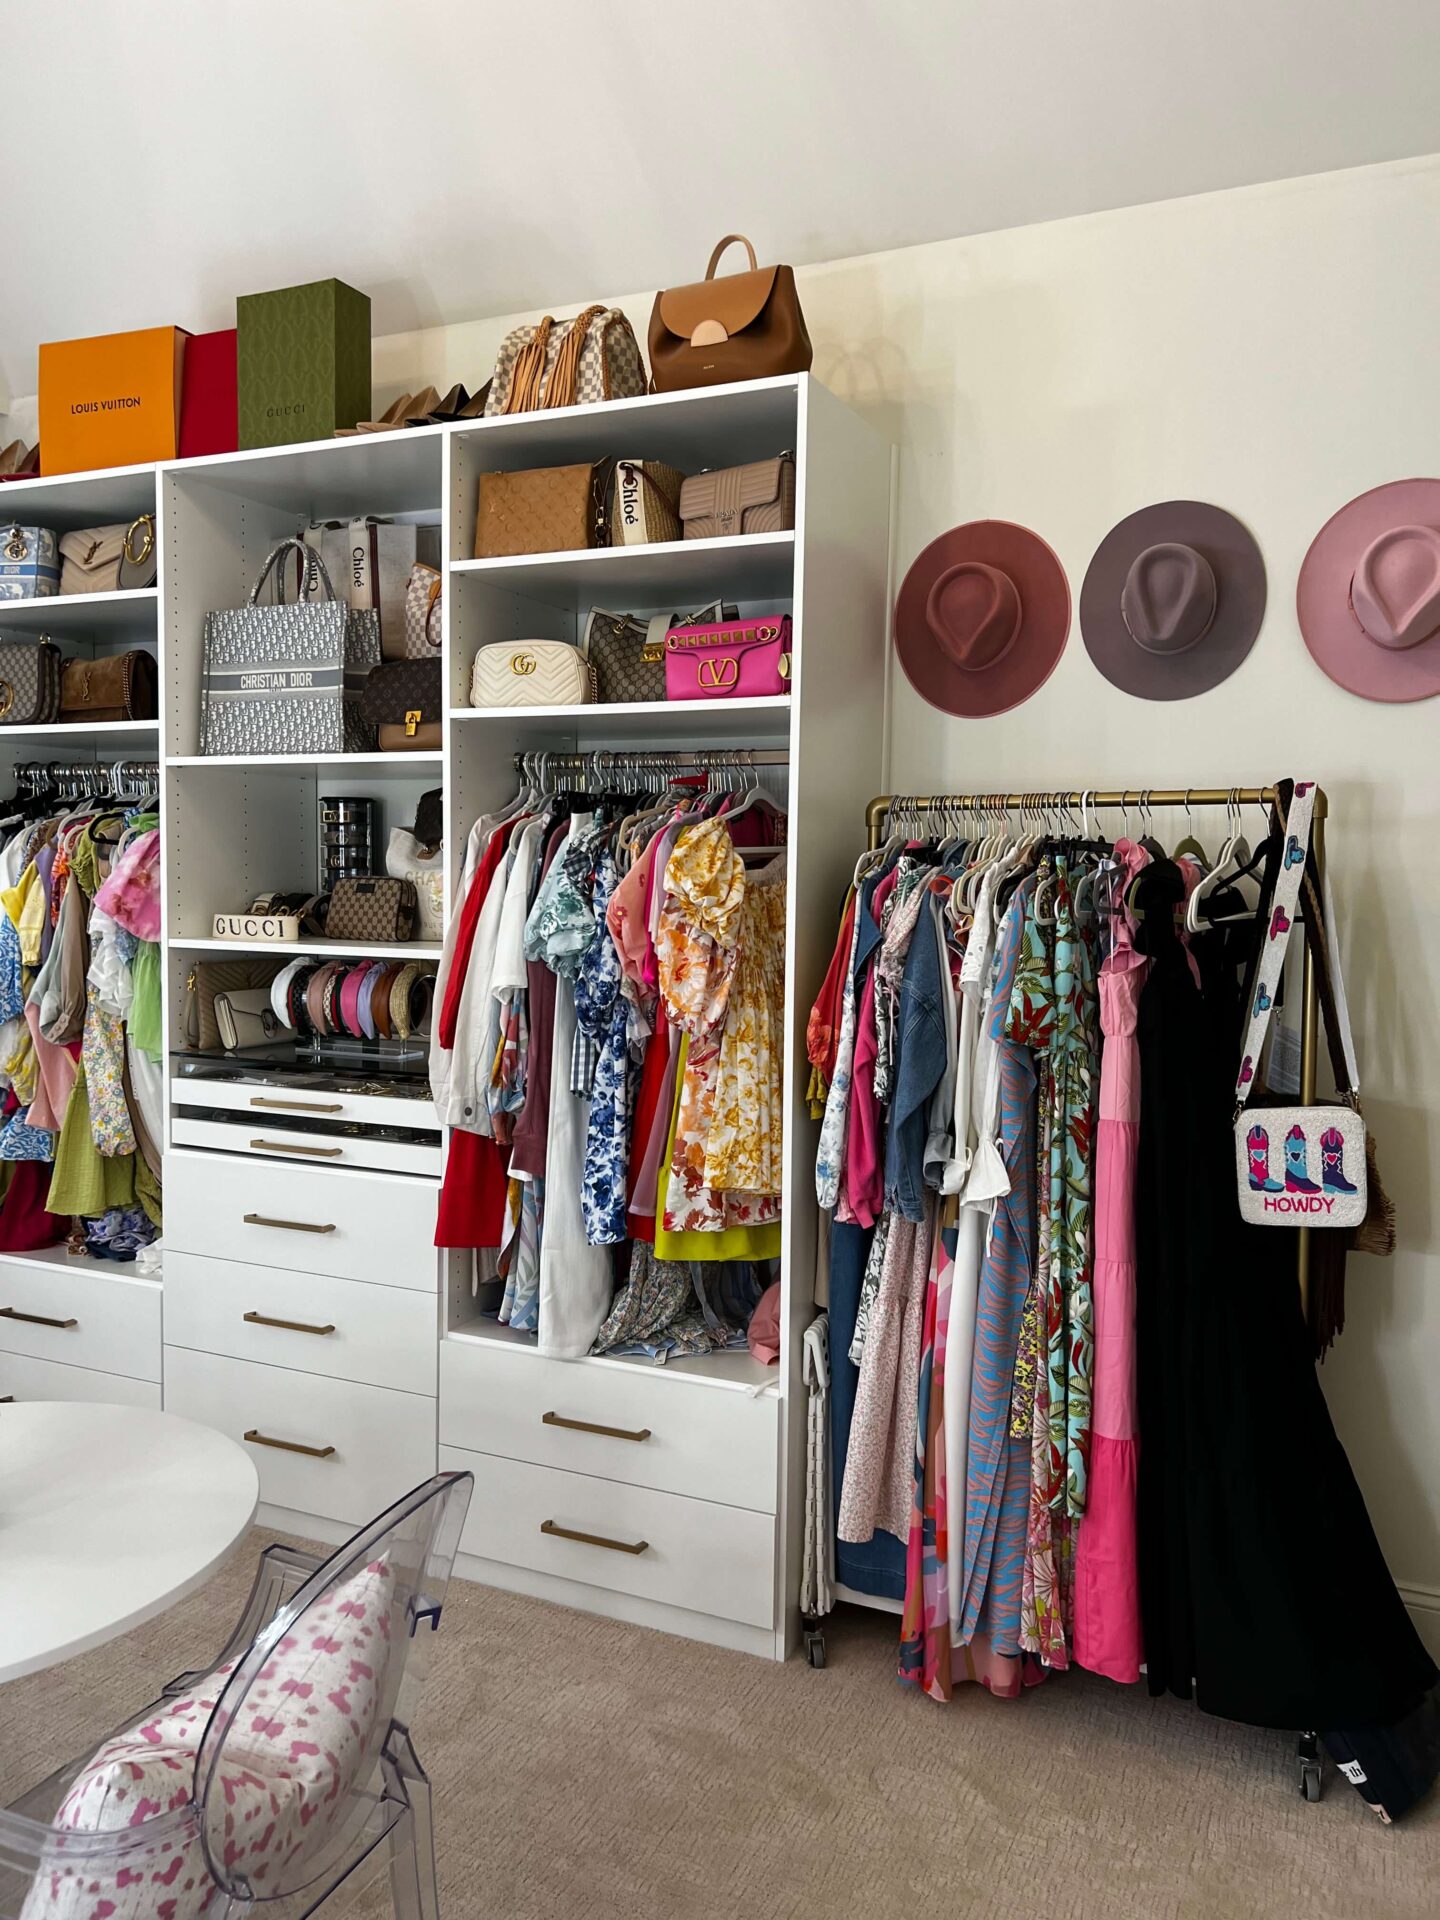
(308, 555)
(1295, 874)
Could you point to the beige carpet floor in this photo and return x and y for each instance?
(593, 1770)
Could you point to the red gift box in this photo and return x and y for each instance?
(210, 407)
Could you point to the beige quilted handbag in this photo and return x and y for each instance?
(759, 498)
(532, 673)
(567, 363)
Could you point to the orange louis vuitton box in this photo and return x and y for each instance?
(112, 401)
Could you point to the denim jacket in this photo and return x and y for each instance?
(918, 1070)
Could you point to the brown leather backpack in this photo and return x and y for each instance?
(744, 326)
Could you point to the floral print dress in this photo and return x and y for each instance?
(697, 947)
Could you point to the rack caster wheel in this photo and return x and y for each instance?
(1308, 1757)
(815, 1646)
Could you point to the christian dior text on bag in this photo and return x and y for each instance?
(1297, 1165)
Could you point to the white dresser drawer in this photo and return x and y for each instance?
(363, 1226)
(683, 1553)
(82, 1313)
(669, 1432)
(22, 1378)
(272, 1105)
(347, 1329)
(381, 1443)
(264, 1139)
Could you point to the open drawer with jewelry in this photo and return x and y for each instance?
(301, 1112)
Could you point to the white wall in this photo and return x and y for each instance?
(1271, 349)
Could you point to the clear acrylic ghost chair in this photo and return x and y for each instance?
(381, 1794)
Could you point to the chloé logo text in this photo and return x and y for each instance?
(105, 406)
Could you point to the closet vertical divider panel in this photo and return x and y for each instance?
(837, 744)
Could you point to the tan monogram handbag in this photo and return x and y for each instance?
(543, 510)
(532, 673)
(567, 363)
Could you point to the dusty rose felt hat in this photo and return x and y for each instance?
(981, 618)
(1368, 598)
(1173, 600)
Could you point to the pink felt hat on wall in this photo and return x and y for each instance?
(981, 618)
(1368, 598)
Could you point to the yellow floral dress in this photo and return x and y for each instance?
(702, 927)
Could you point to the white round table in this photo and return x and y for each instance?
(108, 1515)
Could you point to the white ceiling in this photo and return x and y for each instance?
(457, 158)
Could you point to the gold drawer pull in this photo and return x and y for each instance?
(290, 1326)
(593, 1539)
(310, 1153)
(288, 1446)
(591, 1426)
(290, 1226)
(299, 1106)
(35, 1319)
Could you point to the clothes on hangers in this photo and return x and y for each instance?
(610, 1059)
(81, 1042)
(1074, 1413)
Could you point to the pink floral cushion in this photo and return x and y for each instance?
(293, 1751)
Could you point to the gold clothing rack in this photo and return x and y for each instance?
(1143, 798)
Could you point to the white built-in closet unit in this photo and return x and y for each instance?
(701, 1460)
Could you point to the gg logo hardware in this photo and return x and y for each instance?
(718, 674)
(15, 545)
(412, 721)
(522, 663)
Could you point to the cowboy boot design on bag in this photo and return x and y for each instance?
(1294, 852)
(1263, 1002)
(1332, 1162)
(1280, 922)
(1296, 1178)
(1257, 1145)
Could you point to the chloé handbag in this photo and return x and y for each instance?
(1298, 1165)
(404, 703)
(743, 326)
(532, 673)
(543, 510)
(627, 650)
(758, 498)
(645, 503)
(380, 909)
(567, 363)
(735, 659)
(29, 684)
(118, 686)
(110, 559)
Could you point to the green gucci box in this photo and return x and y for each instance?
(303, 362)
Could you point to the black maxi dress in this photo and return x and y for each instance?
(1264, 1592)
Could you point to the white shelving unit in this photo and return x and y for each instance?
(410, 1371)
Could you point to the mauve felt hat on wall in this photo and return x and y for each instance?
(1368, 597)
(981, 618)
(1173, 600)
